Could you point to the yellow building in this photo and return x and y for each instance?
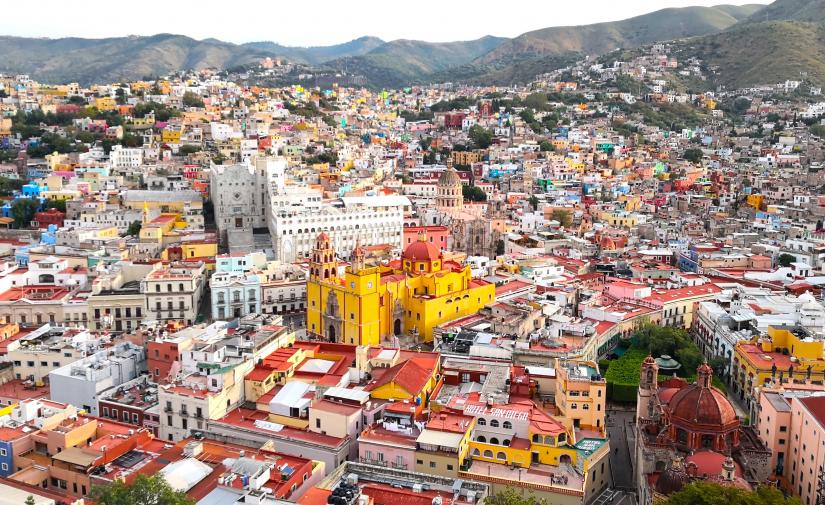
(371, 304)
(756, 201)
(170, 135)
(787, 354)
(411, 380)
(619, 219)
(581, 394)
(105, 104)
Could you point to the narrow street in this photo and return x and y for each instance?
(622, 442)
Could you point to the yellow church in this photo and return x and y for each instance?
(369, 304)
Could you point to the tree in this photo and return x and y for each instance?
(29, 500)
(190, 99)
(9, 186)
(55, 204)
(689, 357)
(481, 137)
(509, 496)
(741, 105)
(693, 155)
(145, 489)
(473, 193)
(120, 96)
(500, 247)
(719, 365)
(23, 211)
(188, 149)
(545, 146)
(134, 228)
(562, 216)
(534, 202)
(703, 493)
(785, 259)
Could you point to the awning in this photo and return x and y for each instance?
(440, 438)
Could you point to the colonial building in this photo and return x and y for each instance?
(372, 303)
(239, 194)
(173, 293)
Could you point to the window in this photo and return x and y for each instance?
(481, 422)
(317, 422)
(507, 425)
(432, 464)
(494, 423)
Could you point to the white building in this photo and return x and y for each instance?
(239, 193)
(372, 220)
(124, 157)
(79, 383)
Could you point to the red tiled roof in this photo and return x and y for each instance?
(407, 374)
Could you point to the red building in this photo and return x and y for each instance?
(163, 354)
(42, 220)
(454, 119)
(130, 403)
(436, 235)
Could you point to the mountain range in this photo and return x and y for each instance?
(749, 44)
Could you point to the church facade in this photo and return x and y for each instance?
(371, 304)
(687, 432)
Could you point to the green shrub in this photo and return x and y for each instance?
(623, 375)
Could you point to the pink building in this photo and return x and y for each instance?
(774, 420)
(806, 454)
(436, 235)
(792, 425)
(388, 444)
(624, 289)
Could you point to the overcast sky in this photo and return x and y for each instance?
(321, 22)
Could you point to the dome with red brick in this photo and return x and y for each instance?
(421, 250)
(702, 404)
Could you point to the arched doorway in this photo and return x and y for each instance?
(331, 333)
(397, 327)
(565, 459)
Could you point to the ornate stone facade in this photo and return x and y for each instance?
(687, 432)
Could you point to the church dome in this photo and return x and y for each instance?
(421, 250)
(449, 178)
(701, 403)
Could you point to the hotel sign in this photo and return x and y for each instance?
(481, 410)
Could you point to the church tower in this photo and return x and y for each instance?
(647, 395)
(449, 194)
(324, 266)
(359, 257)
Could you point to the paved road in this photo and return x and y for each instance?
(620, 434)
